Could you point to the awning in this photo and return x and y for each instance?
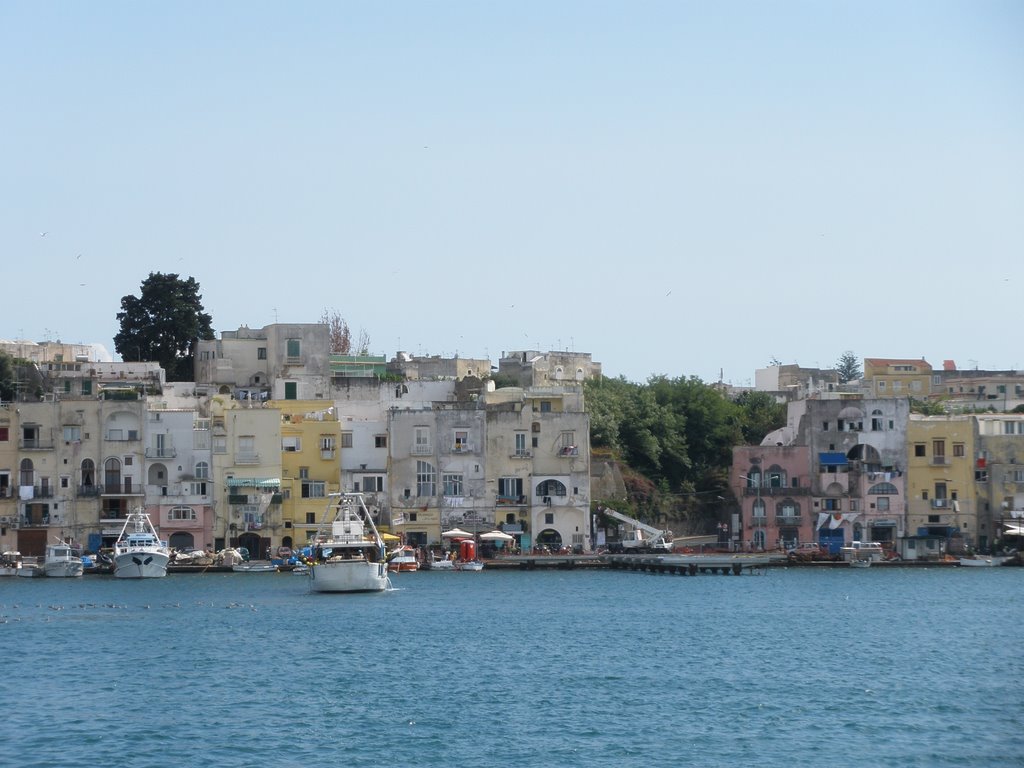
(832, 458)
(1013, 529)
(254, 482)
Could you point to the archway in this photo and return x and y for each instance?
(549, 538)
(253, 543)
(182, 541)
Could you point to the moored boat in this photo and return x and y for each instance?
(138, 551)
(348, 552)
(254, 568)
(403, 559)
(470, 565)
(62, 560)
(982, 561)
(10, 563)
(861, 562)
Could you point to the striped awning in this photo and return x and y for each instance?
(254, 482)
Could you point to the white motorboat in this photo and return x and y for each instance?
(861, 562)
(348, 551)
(138, 551)
(62, 560)
(470, 565)
(254, 568)
(438, 564)
(982, 561)
(30, 567)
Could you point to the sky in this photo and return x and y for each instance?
(678, 188)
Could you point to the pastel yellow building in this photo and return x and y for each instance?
(310, 465)
(897, 378)
(941, 498)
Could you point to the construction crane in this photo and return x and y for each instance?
(641, 537)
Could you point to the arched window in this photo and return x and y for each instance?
(28, 474)
(788, 508)
(551, 488)
(202, 470)
(181, 513)
(883, 489)
(112, 475)
(753, 478)
(88, 473)
(758, 507)
(776, 477)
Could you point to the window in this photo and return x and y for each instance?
(261, 353)
(304, 473)
(220, 444)
(510, 487)
(246, 450)
(86, 386)
(373, 483)
(452, 484)
(291, 390)
(294, 347)
(881, 489)
(876, 421)
(181, 513)
(314, 489)
(426, 479)
(832, 505)
(291, 444)
(938, 448)
(1018, 475)
(88, 472)
(521, 444)
(788, 509)
(758, 508)
(824, 426)
(549, 518)
(199, 488)
(346, 439)
(545, 406)
(202, 471)
(919, 449)
(5, 435)
(882, 503)
(958, 449)
(551, 488)
(421, 440)
(67, 386)
(881, 385)
(461, 443)
(380, 441)
(327, 446)
(72, 434)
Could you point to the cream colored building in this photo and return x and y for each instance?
(998, 462)
(884, 377)
(246, 454)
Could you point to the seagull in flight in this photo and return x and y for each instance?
(42, 234)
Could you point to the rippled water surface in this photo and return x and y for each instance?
(796, 667)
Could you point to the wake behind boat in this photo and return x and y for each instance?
(138, 551)
(348, 552)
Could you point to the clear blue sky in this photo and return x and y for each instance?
(677, 188)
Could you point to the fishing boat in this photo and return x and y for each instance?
(62, 560)
(861, 562)
(348, 552)
(30, 567)
(435, 563)
(403, 559)
(470, 565)
(138, 551)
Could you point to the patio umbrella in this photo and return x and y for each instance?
(496, 536)
(456, 533)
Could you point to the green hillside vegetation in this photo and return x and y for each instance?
(673, 440)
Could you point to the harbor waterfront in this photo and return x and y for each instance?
(595, 667)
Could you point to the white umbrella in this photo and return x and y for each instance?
(456, 533)
(496, 536)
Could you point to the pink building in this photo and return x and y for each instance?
(773, 489)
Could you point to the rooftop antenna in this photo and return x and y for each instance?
(275, 315)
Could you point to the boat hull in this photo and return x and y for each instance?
(140, 565)
(64, 569)
(981, 562)
(348, 576)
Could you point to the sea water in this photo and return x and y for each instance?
(794, 667)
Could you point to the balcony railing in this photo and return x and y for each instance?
(42, 492)
(161, 453)
(35, 444)
(569, 450)
(770, 490)
(522, 454)
(88, 490)
(422, 450)
(788, 519)
(247, 457)
(121, 489)
(939, 461)
(510, 501)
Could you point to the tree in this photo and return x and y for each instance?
(340, 336)
(163, 324)
(8, 389)
(848, 367)
(761, 415)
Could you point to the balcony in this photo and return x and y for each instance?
(88, 490)
(767, 490)
(246, 457)
(788, 520)
(35, 444)
(127, 488)
(939, 461)
(510, 501)
(42, 492)
(569, 451)
(522, 455)
(461, 448)
(326, 454)
(238, 498)
(161, 453)
(422, 449)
